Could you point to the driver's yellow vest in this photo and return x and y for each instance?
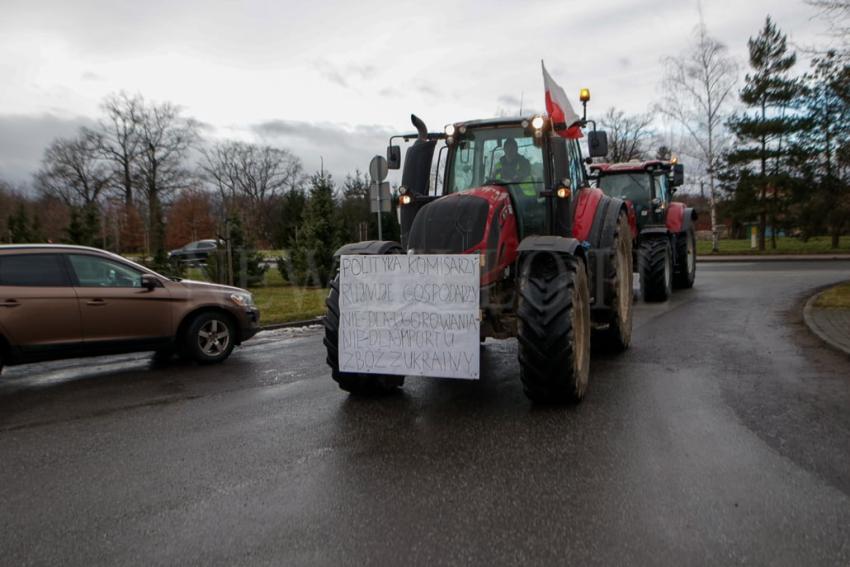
(526, 185)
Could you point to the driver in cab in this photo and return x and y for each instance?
(514, 167)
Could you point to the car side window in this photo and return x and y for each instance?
(33, 270)
(92, 271)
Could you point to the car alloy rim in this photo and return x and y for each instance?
(213, 338)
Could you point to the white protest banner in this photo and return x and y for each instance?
(413, 315)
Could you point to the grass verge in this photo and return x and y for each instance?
(837, 297)
(786, 245)
(280, 303)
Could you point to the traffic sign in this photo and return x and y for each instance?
(378, 168)
(379, 204)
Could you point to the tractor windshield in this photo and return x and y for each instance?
(633, 187)
(504, 156)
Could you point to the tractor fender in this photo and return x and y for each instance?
(655, 232)
(587, 208)
(553, 244)
(368, 248)
(688, 219)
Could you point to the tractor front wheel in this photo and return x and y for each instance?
(656, 269)
(355, 383)
(686, 260)
(554, 328)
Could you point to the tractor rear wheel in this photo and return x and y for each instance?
(618, 284)
(656, 270)
(686, 260)
(554, 328)
(355, 383)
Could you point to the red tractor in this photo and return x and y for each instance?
(666, 245)
(556, 254)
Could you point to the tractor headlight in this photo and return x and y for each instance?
(242, 299)
(537, 122)
(404, 200)
(450, 130)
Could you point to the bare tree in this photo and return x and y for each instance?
(165, 137)
(120, 138)
(628, 135)
(73, 170)
(697, 86)
(251, 174)
(837, 15)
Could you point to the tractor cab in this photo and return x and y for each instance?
(648, 185)
(519, 162)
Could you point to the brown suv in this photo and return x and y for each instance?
(69, 301)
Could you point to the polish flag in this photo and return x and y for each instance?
(559, 108)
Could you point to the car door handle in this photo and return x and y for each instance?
(10, 303)
(96, 302)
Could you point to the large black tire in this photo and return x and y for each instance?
(209, 338)
(554, 328)
(686, 260)
(656, 268)
(359, 384)
(618, 286)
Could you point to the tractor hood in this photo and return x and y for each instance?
(450, 225)
(478, 220)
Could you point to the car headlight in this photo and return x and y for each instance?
(242, 299)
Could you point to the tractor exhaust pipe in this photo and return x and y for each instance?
(420, 127)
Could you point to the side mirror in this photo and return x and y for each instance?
(597, 143)
(393, 157)
(150, 282)
(678, 175)
(417, 167)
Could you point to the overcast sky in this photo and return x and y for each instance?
(333, 79)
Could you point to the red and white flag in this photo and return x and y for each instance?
(559, 108)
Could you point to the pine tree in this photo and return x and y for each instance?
(75, 229)
(312, 260)
(823, 144)
(19, 226)
(84, 226)
(763, 130)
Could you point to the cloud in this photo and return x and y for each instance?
(343, 73)
(344, 148)
(23, 139)
(508, 100)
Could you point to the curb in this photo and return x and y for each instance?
(708, 258)
(825, 337)
(290, 324)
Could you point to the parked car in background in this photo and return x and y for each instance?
(69, 301)
(194, 251)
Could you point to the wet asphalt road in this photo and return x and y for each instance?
(721, 437)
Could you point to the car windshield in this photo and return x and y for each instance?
(630, 186)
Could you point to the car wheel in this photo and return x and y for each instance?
(209, 338)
